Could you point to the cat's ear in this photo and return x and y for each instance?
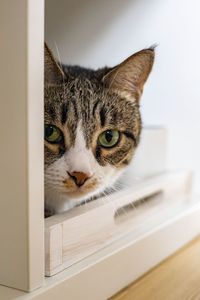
(52, 71)
(131, 74)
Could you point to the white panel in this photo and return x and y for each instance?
(21, 153)
(150, 156)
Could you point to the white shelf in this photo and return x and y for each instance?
(73, 235)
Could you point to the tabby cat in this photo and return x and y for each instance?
(92, 126)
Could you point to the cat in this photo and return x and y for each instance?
(92, 126)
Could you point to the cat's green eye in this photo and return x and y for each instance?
(109, 138)
(52, 134)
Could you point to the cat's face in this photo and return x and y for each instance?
(92, 128)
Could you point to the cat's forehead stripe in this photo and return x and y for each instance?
(52, 112)
(64, 111)
(95, 107)
(102, 116)
(74, 103)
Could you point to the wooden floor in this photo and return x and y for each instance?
(177, 278)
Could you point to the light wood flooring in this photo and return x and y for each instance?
(177, 278)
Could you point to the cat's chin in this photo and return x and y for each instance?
(59, 202)
(77, 194)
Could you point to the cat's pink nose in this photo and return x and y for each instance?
(79, 177)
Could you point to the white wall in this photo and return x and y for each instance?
(96, 33)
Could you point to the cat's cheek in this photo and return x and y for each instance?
(52, 147)
(69, 184)
(110, 175)
(126, 160)
(91, 185)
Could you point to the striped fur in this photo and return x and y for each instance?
(83, 103)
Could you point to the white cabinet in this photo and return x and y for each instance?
(98, 272)
(21, 158)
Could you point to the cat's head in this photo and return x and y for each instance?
(92, 126)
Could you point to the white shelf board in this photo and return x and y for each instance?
(73, 235)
